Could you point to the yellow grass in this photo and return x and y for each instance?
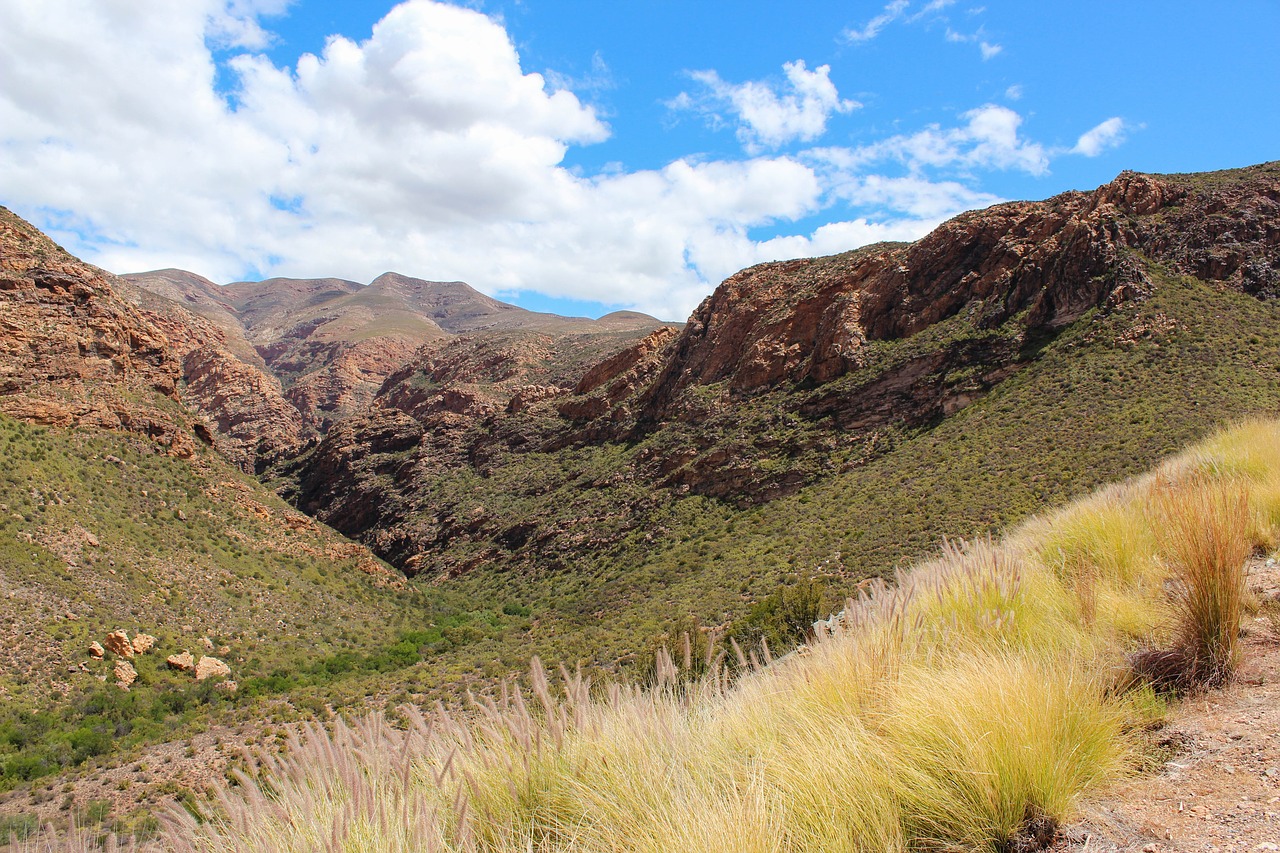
(972, 703)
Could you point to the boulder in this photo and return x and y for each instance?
(118, 643)
(125, 674)
(142, 643)
(96, 650)
(184, 662)
(208, 667)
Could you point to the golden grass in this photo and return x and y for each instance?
(969, 706)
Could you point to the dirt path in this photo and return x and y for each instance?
(1220, 788)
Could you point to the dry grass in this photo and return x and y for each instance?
(967, 707)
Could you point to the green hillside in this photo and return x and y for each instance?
(1106, 397)
(99, 532)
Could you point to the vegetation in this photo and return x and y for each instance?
(878, 736)
(1103, 400)
(99, 532)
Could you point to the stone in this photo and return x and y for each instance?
(209, 667)
(143, 643)
(117, 642)
(125, 674)
(96, 650)
(184, 662)
(227, 686)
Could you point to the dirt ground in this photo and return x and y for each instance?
(1219, 790)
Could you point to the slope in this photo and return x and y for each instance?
(836, 417)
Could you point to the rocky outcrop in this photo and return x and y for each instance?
(244, 413)
(73, 353)
(143, 643)
(124, 674)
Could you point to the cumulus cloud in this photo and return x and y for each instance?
(427, 148)
(768, 115)
(1108, 134)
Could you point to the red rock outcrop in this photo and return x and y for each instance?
(72, 352)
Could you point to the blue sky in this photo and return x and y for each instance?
(581, 157)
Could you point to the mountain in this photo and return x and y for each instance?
(331, 343)
(836, 415)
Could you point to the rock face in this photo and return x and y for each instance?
(72, 352)
(79, 346)
(781, 365)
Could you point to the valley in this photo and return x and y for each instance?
(363, 495)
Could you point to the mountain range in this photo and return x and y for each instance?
(407, 488)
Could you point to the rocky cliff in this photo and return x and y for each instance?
(72, 352)
(82, 347)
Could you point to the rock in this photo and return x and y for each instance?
(208, 667)
(227, 686)
(125, 674)
(96, 650)
(117, 642)
(206, 643)
(184, 662)
(143, 643)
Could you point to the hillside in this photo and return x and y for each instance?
(835, 417)
(125, 424)
(1082, 627)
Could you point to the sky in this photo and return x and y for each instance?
(583, 157)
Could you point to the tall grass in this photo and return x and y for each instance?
(968, 706)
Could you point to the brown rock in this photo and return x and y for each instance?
(184, 662)
(143, 643)
(117, 642)
(227, 686)
(208, 667)
(96, 650)
(124, 674)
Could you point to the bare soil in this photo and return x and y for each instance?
(1219, 787)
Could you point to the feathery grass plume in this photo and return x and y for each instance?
(1207, 538)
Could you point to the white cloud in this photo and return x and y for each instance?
(426, 148)
(986, 48)
(988, 140)
(1108, 134)
(872, 28)
(768, 116)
